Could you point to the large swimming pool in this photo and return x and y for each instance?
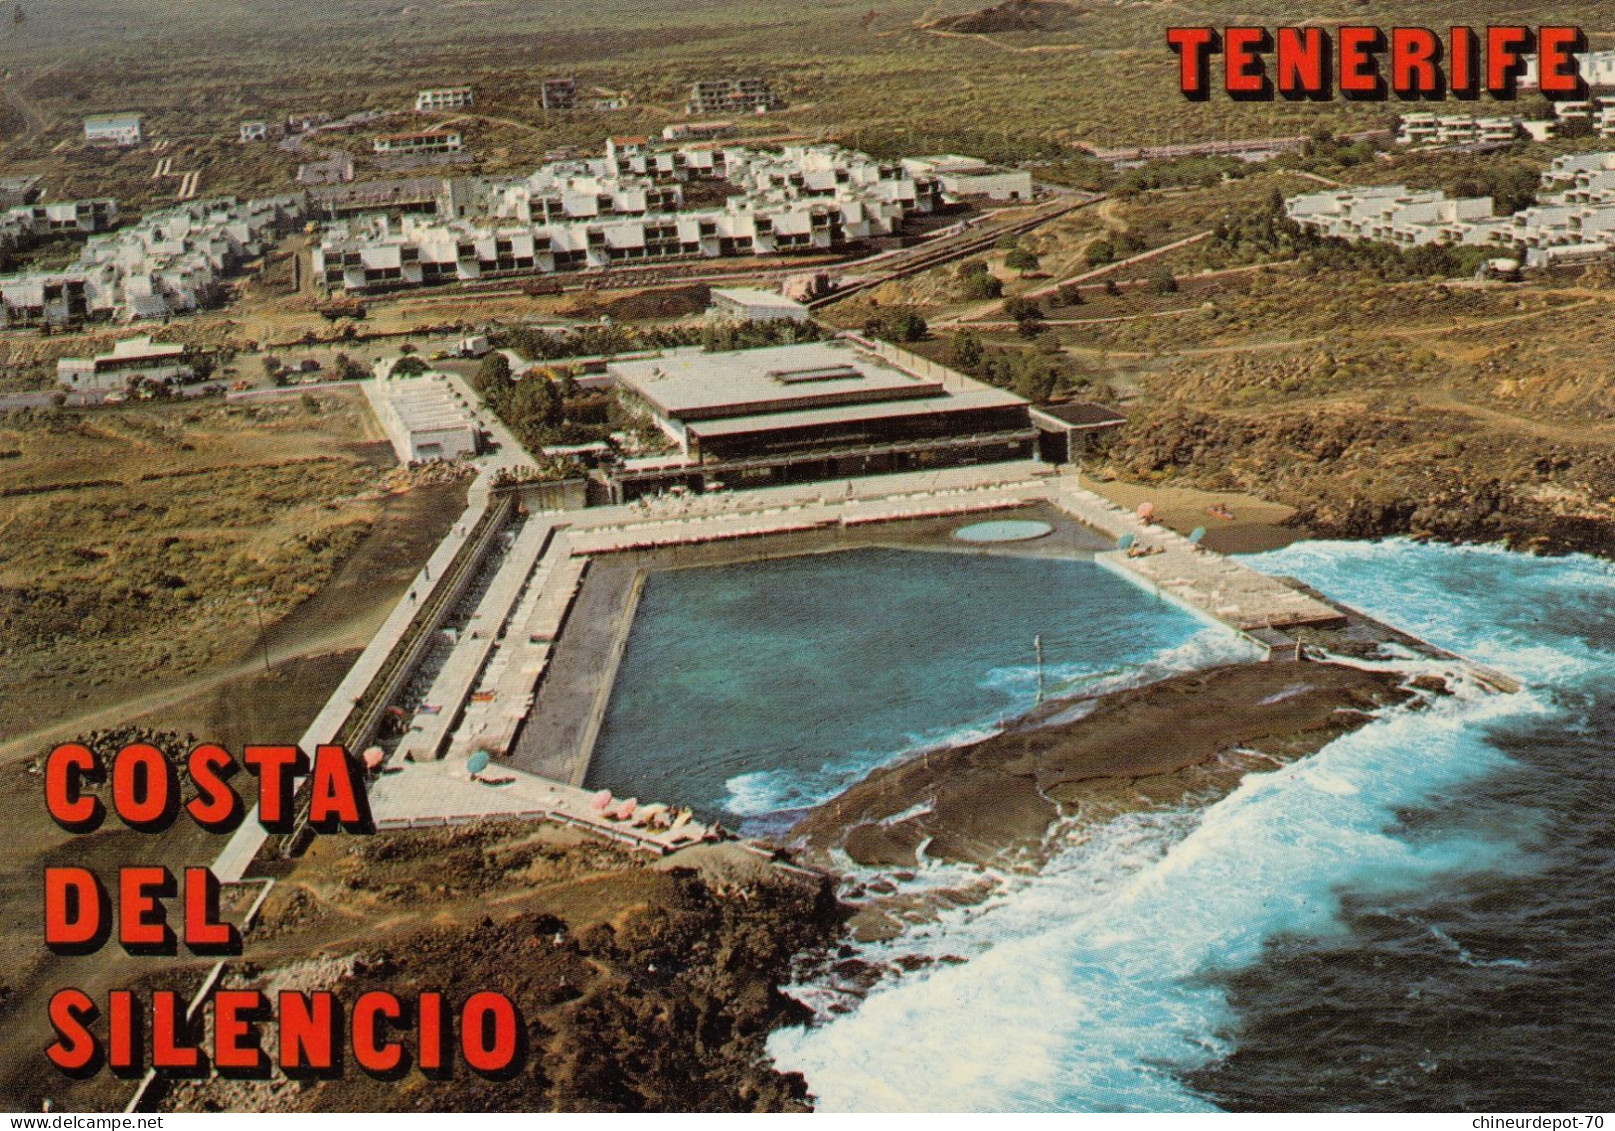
(748, 690)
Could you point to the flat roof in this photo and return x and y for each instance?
(1083, 414)
(418, 134)
(691, 384)
(755, 296)
(968, 401)
(426, 404)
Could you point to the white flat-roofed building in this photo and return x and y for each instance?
(751, 304)
(443, 98)
(426, 418)
(421, 141)
(1597, 68)
(254, 131)
(84, 217)
(173, 261)
(129, 359)
(1575, 223)
(821, 410)
(112, 129)
(629, 207)
(965, 177)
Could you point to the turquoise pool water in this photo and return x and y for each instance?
(761, 688)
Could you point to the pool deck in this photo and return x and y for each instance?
(510, 686)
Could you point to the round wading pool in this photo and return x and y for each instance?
(1005, 531)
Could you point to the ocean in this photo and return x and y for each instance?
(1419, 917)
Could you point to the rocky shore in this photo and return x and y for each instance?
(642, 985)
(1353, 472)
(1193, 735)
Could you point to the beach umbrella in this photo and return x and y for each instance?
(477, 762)
(1125, 542)
(626, 809)
(1196, 534)
(1146, 510)
(600, 801)
(373, 758)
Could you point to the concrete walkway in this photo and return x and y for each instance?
(414, 795)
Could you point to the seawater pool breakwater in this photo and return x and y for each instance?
(483, 693)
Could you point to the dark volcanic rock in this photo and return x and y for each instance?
(1001, 794)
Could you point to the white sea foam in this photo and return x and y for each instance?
(1088, 986)
(761, 792)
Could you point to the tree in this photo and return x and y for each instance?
(409, 366)
(1021, 260)
(1069, 294)
(492, 373)
(897, 326)
(272, 366)
(1163, 283)
(347, 369)
(1099, 253)
(964, 351)
(983, 285)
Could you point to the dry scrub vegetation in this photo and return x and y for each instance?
(131, 541)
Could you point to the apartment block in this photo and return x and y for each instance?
(627, 208)
(443, 98)
(559, 94)
(112, 129)
(174, 261)
(1575, 222)
(749, 95)
(423, 141)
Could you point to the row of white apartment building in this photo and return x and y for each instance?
(25, 224)
(1456, 129)
(443, 98)
(1576, 221)
(1597, 69)
(172, 262)
(603, 213)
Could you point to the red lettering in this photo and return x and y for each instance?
(65, 770)
(144, 791)
(429, 1041)
(1556, 60)
(167, 1021)
(1461, 45)
(1243, 73)
(335, 792)
(121, 1028)
(142, 918)
(1503, 60)
(367, 1011)
(276, 768)
(307, 1031)
(216, 806)
(235, 1040)
(73, 910)
(1359, 70)
(1413, 61)
(74, 1050)
(1194, 46)
(1302, 60)
(488, 1032)
(204, 932)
